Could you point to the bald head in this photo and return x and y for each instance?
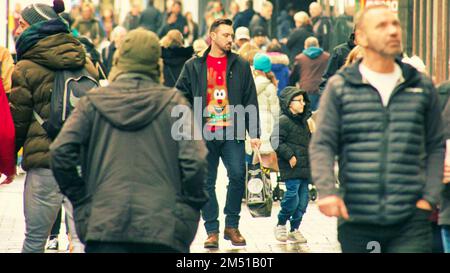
(315, 10)
(378, 31)
(367, 15)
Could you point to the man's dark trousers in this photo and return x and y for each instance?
(411, 236)
(232, 153)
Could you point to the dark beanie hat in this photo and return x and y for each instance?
(36, 13)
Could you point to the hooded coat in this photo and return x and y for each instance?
(141, 181)
(41, 54)
(309, 68)
(293, 137)
(280, 67)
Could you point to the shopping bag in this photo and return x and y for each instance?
(258, 190)
(268, 161)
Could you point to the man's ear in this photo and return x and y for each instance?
(361, 38)
(213, 35)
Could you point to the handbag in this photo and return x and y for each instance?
(258, 190)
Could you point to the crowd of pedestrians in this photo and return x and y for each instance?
(312, 99)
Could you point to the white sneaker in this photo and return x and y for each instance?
(297, 237)
(281, 233)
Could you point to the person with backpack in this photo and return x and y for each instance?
(45, 51)
(292, 141)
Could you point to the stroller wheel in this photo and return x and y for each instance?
(313, 194)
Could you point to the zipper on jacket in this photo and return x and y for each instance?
(384, 150)
(383, 169)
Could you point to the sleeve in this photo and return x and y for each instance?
(295, 75)
(435, 150)
(65, 153)
(21, 103)
(324, 143)
(250, 98)
(283, 150)
(191, 157)
(292, 40)
(184, 84)
(332, 68)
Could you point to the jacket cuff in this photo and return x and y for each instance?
(433, 201)
(327, 193)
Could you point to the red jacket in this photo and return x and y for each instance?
(7, 136)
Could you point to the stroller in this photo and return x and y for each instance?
(279, 190)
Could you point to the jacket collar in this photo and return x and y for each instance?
(352, 74)
(232, 57)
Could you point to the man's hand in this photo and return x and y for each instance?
(333, 206)
(293, 162)
(424, 205)
(256, 143)
(446, 179)
(8, 180)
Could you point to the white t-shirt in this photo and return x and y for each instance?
(385, 83)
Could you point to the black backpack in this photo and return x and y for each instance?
(68, 88)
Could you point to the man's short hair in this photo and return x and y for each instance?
(361, 16)
(219, 22)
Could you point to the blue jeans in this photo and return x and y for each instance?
(294, 203)
(232, 153)
(42, 201)
(446, 238)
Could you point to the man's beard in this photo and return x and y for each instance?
(225, 49)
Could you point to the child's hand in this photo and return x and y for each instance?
(293, 162)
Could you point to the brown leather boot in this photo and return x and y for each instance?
(233, 235)
(212, 241)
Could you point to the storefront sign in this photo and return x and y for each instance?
(392, 4)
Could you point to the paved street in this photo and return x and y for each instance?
(319, 230)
